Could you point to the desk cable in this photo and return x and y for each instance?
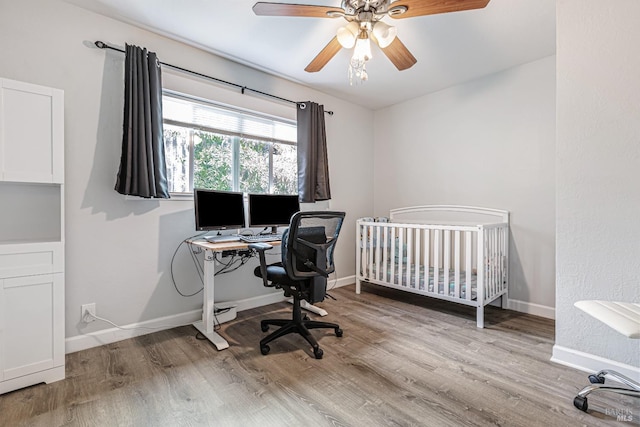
(233, 264)
(196, 263)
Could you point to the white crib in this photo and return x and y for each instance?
(454, 253)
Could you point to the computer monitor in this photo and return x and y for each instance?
(272, 210)
(218, 210)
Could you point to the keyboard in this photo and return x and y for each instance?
(255, 238)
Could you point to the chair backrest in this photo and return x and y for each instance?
(309, 243)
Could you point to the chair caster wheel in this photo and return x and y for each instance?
(594, 379)
(264, 328)
(317, 352)
(580, 403)
(338, 332)
(265, 349)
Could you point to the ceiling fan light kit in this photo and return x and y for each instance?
(347, 35)
(364, 24)
(384, 34)
(361, 54)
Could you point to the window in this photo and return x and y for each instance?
(221, 148)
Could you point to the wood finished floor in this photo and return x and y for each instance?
(404, 360)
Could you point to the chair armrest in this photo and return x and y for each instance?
(261, 247)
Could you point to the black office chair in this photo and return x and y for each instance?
(307, 260)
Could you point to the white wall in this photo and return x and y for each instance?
(598, 164)
(489, 143)
(118, 250)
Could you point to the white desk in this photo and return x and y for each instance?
(206, 326)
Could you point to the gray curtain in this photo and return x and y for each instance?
(143, 169)
(313, 164)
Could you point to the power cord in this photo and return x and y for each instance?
(87, 316)
(236, 262)
(196, 263)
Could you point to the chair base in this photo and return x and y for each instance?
(597, 384)
(298, 324)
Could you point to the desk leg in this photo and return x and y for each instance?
(205, 326)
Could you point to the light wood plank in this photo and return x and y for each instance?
(404, 359)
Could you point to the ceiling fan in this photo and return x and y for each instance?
(364, 19)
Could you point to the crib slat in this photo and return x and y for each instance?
(446, 257)
(400, 254)
(494, 258)
(436, 260)
(504, 256)
(456, 268)
(363, 257)
(416, 269)
(505, 262)
(426, 263)
(377, 253)
(468, 265)
(485, 260)
(392, 269)
(409, 260)
(358, 255)
(495, 262)
(385, 266)
(370, 250)
(494, 252)
(480, 277)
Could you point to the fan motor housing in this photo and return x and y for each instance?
(353, 7)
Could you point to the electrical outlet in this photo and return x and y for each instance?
(88, 312)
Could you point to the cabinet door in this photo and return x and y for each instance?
(31, 133)
(31, 259)
(31, 324)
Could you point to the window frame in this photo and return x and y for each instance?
(242, 113)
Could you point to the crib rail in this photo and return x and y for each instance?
(465, 264)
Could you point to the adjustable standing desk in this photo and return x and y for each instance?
(205, 326)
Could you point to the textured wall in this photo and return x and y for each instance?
(598, 170)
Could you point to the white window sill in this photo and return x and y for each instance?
(175, 197)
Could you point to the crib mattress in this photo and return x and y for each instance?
(427, 283)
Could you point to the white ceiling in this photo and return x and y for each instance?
(450, 48)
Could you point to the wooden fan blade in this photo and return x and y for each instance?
(432, 7)
(398, 53)
(324, 56)
(284, 9)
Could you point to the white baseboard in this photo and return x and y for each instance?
(259, 301)
(531, 308)
(338, 283)
(512, 304)
(111, 335)
(591, 363)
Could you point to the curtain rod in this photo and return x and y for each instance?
(103, 45)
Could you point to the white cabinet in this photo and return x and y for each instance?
(31, 235)
(31, 133)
